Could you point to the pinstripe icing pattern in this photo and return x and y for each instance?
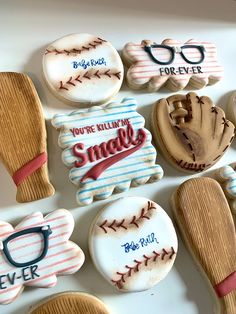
(63, 256)
(143, 70)
(137, 168)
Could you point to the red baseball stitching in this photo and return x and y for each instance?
(88, 76)
(115, 224)
(92, 45)
(136, 267)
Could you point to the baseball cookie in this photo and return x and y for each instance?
(173, 63)
(23, 137)
(35, 252)
(83, 68)
(70, 303)
(205, 221)
(192, 133)
(231, 108)
(227, 177)
(107, 148)
(133, 243)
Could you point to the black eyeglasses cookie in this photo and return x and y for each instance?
(172, 63)
(45, 231)
(35, 252)
(186, 52)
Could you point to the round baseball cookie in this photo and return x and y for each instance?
(231, 108)
(83, 69)
(70, 302)
(133, 243)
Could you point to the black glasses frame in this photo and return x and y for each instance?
(44, 230)
(173, 50)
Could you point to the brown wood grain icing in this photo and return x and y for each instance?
(70, 303)
(23, 134)
(192, 133)
(205, 221)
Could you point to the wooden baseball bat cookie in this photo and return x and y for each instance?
(70, 302)
(23, 137)
(192, 133)
(205, 221)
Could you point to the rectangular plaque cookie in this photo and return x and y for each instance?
(107, 148)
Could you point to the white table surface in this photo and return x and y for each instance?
(26, 28)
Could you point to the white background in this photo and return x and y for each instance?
(26, 28)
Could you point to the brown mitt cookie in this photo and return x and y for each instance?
(205, 221)
(70, 303)
(192, 133)
(23, 137)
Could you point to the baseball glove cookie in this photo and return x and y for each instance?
(133, 243)
(231, 108)
(83, 68)
(23, 137)
(206, 224)
(173, 63)
(192, 133)
(35, 252)
(70, 303)
(107, 148)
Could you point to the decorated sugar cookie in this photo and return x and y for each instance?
(133, 243)
(23, 145)
(227, 177)
(35, 252)
(83, 68)
(192, 133)
(176, 63)
(206, 224)
(231, 108)
(107, 148)
(61, 303)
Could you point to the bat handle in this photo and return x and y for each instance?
(179, 113)
(228, 303)
(36, 186)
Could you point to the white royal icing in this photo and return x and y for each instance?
(63, 257)
(144, 70)
(83, 68)
(133, 243)
(227, 175)
(99, 125)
